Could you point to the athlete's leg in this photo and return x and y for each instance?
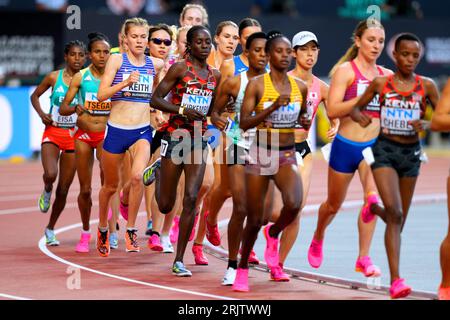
(66, 174)
(126, 178)
(49, 157)
(84, 156)
(445, 247)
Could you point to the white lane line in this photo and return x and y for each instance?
(8, 296)
(50, 254)
(35, 196)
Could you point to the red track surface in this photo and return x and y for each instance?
(25, 271)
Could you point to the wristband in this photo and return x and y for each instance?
(181, 110)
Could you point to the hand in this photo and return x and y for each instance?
(133, 78)
(46, 119)
(331, 133)
(79, 109)
(363, 119)
(159, 119)
(419, 125)
(193, 115)
(282, 100)
(218, 121)
(305, 121)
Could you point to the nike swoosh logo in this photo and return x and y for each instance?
(391, 95)
(416, 153)
(142, 132)
(303, 152)
(192, 82)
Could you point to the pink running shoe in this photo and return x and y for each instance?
(83, 245)
(252, 258)
(271, 252)
(366, 214)
(154, 243)
(315, 254)
(109, 214)
(123, 208)
(365, 265)
(173, 234)
(212, 232)
(399, 289)
(191, 237)
(277, 274)
(241, 282)
(444, 293)
(199, 257)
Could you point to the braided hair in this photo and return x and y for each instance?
(190, 37)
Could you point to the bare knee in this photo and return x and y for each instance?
(136, 180)
(85, 192)
(292, 207)
(189, 202)
(394, 216)
(50, 175)
(332, 208)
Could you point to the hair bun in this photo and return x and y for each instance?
(96, 34)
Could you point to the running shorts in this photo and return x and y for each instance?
(59, 137)
(119, 139)
(91, 138)
(303, 148)
(180, 150)
(266, 161)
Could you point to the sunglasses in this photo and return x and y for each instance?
(158, 41)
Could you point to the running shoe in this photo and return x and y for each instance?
(148, 232)
(114, 240)
(103, 247)
(131, 241)
(154, 243)
(444, 293)
(212, 232)
(149, 174)
(175, 229)
(50, 238)
(44, 201)
(271, 251)
(277, 274)
(199, 257)
(365, 265)
(166, 244)
(123, 208)
(241, 281)
(315, 254)
(180, 270)
(229, 277)
(192, 235)
(252, 258)
(399, 289)
(83, 244)
(366, 214)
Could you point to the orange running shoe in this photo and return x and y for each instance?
(444, 293)
(131, 243)
(103, 247)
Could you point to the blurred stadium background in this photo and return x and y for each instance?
(33, 34)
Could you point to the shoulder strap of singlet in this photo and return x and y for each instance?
(380, 70)
(269, 89)
(295, 90)
(355, 68)
(244, 78)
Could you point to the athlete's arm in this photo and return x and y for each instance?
(173, 75)
(432, 94)
(341, 80)
(334, 123)
(47, 82)
(217, 76)
(227, 69)
(253, 94)
(159, 68)
(105, 91)
(65, 109)
(221, 101)
(303, 117)
(441, 116)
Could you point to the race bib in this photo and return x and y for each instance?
(142, 89)
(63, 121)
(96, 107)
(374, 105)
(283, 117)
(196, 102)
(395, 120)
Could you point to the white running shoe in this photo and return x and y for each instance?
(166, 244)
(229, 277)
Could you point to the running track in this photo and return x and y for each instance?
(29, 270)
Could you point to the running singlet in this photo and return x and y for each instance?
(284, 118)
(140, 91)
(58, 93)
(191, 92)
(88, 94)
(357, 88)
(239, 66)
(398, 108)
(242, 139)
